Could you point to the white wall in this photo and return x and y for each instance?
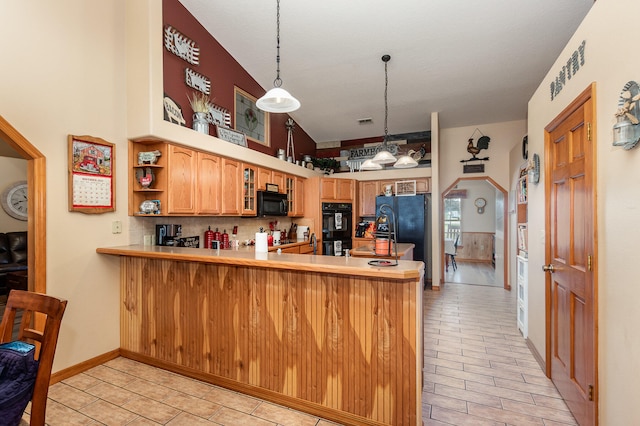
(472, 221)
(453, 148)
(11, 170)
(63, 72)
(610, 62)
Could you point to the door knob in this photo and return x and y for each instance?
(548, 268)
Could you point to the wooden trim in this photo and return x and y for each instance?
(83, 366)
(489, 180)
(536, 354)
(36, 187)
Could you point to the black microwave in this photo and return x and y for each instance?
(272, 204)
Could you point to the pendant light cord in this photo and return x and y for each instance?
(385, 59)
(277, 82)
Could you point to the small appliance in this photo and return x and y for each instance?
(167, 235)
(272, 204)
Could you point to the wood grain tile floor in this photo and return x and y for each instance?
(478, 368)
(478, 371)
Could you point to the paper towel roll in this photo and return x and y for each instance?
(261, 242)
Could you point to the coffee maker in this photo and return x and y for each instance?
(167, 235)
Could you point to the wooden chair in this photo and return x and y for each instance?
(45, 340)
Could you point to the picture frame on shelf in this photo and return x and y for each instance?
(249, 119)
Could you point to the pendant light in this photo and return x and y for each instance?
(384, 156)
(405, 162)
(278, 99)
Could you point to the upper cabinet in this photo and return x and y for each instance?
(249, 188)
(209, 201)
(333, 189)
(231, 187)
(294, 186)
(368, 190)
(182, 166)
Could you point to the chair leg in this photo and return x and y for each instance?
(453, 262)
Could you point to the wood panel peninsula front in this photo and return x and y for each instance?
(331, 336)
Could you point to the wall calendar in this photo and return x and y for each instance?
(91, 175)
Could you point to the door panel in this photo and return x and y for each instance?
(571, 223)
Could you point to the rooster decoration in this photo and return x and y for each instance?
(483, 143)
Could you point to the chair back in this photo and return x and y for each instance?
(33, 307)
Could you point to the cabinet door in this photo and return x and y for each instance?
(249, 185)
(367, 192)
(182, 180)
(209, 184)
(328, 188)
(423, 186)
(345, 189)
(231, 187)
(264, 176)
(277, 178)
(295, 195)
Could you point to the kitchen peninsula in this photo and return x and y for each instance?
(331, 336)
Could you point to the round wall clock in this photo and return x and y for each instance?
(14, 200)
(480, 203)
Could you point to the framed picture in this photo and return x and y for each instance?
(92, 163)
(248, 119)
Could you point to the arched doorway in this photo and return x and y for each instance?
(36, 187)
(500, 241)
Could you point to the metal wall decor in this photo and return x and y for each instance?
(197, 81)
(474, 149)
(219, 116)
(181, 46)
(173, 112)
(626, 131)
(573, 64)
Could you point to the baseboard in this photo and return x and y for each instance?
(83, 366)
(537, 355)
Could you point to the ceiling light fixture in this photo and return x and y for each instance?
(384, 156)
(278, 99)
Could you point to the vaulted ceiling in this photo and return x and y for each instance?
(473, 62)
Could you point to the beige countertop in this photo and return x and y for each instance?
(246, 256)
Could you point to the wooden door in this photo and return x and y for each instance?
(231, 187)
(571, 252)
(209, 184)
(181, 197)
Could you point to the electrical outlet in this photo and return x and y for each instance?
(116, 227)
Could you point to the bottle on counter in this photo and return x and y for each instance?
(225, 240)
(208, 238)
(216, 235)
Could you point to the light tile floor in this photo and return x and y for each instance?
(478, 371)
(472, 273)
(478, 368)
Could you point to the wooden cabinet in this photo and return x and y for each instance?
(157, 189)
(189, 182)
(423, 186)
(294, 187)
(209, 201)
(367, 192)
(249, 188)
(277, 177)
(231, 187)
(333, 189)
(182, 166)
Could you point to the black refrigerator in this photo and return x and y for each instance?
(414, 223)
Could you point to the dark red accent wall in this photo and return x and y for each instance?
(225, 73)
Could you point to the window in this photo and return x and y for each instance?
(452, 218)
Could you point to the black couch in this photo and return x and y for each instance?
(13, 255)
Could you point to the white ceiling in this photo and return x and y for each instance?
(473, 62)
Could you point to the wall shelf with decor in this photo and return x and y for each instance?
(522, 260)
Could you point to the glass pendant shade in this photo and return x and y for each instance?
(405, 162)
(370, 165)
(278, 100)
(384, 157)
